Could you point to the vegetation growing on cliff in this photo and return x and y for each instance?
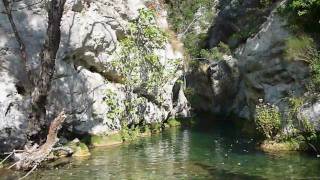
(138, 58)
(191, 20)
(284, 131)
(268, 120)
(303, 13)
(303, 48)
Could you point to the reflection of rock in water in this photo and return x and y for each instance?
(220, 173)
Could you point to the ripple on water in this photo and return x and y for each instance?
(183, 154)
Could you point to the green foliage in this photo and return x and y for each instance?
(303, 48)
(315, 68)
(129, 134)
(185, 15)
(155, 127)
(111, 101)
(183, 12)
(296, 103)
(193, 43)
(268, 120)
(303, 13)
(312, 137)
(172, 122)
(137, 57)
(266, 3)
(216, 53)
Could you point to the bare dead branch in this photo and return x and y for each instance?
(34, 156)
(6, 158)
(34, 168)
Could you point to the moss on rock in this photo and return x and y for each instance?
(173, 122)
(79, 149)
(291, 145)
(101, 141)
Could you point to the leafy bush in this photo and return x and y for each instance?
(268, 120)
(303, 13)
(301, 48)
(137, 59)
(129, 134)
(215, 53)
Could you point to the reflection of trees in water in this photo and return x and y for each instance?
(183, 155)
(155, 157)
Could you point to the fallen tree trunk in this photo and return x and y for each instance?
(30, 158)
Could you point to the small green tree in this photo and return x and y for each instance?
(268, 120)
(137, 57)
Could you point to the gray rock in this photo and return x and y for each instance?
(90, 37)
(236, 21)
(224, 79)
(265, 73)
(310, 112)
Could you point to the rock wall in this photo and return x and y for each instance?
(83, 82)
(264, 72)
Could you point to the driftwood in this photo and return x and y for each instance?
(31, 157)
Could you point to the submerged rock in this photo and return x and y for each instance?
(79, 148)
(109, 140)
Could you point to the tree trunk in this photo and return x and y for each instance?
(47, 67)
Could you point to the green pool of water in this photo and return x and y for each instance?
(183, 154)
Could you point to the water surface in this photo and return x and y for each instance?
(184, 154)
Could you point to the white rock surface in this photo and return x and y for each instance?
(90, 34)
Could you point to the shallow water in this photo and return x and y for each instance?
(183, 154)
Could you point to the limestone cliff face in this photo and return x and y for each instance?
(266, 74)
(259, 63)
(83, 81)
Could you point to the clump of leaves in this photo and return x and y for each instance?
(129, 134)
(216, 53)
(303, 13)
(137, 58)
(268, 120)
(111, 102)
(301, 48)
